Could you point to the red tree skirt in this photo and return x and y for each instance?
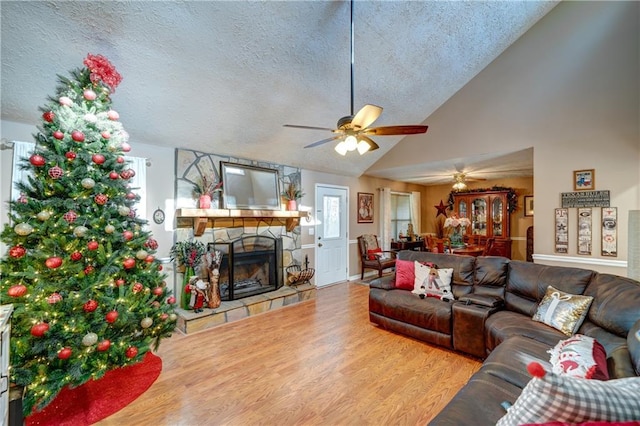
(97, 399)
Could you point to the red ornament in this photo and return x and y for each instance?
(101, 199)
(119, 282)
(113, 115)
(120, 160)
(70, 216)
(159, 267)
(164, 316)
(89, 95)
(93, 245)
(54, 298)
(58, 135)
(64, 353)
(76, 255)
(53, 262)
(125, 147)
(130, 195)
(158, 291)
(104, 345)
(131, 352)
(70, 155)
(90, 306)
(129, 263)
(39, 329)
(127, 235)
(124, 174)
(77, 136)
(105, 134)
(171, 300)
(48, 116)
(137, 287)
(111, 317)
(150, 258)
(17, 252)
(114, 175)
(151, 243)
(89, 269)
(56, 172)
(37, 160)
(98, 158)
(17, 290)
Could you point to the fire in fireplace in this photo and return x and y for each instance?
(250, 265)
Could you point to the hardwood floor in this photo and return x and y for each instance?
(320, 362)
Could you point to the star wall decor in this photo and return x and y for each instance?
(442, 209)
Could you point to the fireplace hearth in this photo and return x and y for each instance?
(250, 265)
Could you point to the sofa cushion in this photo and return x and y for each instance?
(616, 302)
(433, 282)
(405, 275)
(504, 324)
(528, 283)
(567, 399)
(579, 356)
(562, 311)
(633, 339)
(402, 305)
(463, 268)
(491, 276)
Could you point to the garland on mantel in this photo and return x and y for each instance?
(512, 197)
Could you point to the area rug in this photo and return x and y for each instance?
(98, 399)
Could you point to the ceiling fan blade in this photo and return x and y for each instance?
(323, 141)
(295, 126)
(370, 141)
(366, 116)
(396, 130)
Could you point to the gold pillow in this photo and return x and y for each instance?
(563, 311)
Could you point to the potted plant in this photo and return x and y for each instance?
(188, 255)
(292, 194)
(203, 190)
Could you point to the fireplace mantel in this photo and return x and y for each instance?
(200, 219)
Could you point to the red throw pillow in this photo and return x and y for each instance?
(371, 253)
(405, 274)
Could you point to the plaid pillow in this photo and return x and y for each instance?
(573, 400)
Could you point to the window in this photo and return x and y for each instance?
(400, 213)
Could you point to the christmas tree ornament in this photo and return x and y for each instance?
(77, 136)
(164, 316)
(39, 329)
(103, 345)
(70, 216)
(58, 135)
(37, 160)
(105, 134)
(125, 174)
(23, 199)
(98, 158)
(48, 116)
(159, 267)
(111, 317)
(130, 196)
(88, 183)
(141, 254)
(127, 235)
(65, 101)
(93, 245)
(43, 215)
(149, 258)
(54, 298)
(158, 291)
(90, 306)
(131, 352)
(70, 155)
(129, 263)
(53, 262)
(137, 287)
(132, 213)
(155, 304)
(109, 229)
(101, 199)
(171, 300)
(132, 173)
(119, 282)
(17, 252)
(123, 210)
(114, 175)
(17, 290)
(146, 322)
(64, 353)
(113, 115)
(90, 118)
(173, 317)
(76, 255)
(88, 269)
(23, 229)
(89, 339)
(125, 147)
(80, 231)
(89, 95)
(151, 243)
(120, 160)
(56, 172)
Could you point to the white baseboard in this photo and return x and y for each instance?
(581, 260)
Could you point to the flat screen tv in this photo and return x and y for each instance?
(249, 187)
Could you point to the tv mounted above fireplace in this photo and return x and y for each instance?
(249, 187)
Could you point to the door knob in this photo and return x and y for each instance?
(319, 244)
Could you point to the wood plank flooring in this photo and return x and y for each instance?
(320, 362)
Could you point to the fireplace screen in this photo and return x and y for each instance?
(249, 266)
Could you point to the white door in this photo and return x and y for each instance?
(331, 234)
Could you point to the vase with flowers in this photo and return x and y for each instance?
(292, 194)
(455, 226)
(188, 256)
(204, 190)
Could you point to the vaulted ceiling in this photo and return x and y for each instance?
(223, 77)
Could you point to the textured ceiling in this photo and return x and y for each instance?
(223, 77)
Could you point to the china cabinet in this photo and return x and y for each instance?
(489, 216)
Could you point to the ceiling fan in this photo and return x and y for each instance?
(460, 180)
(353, 131)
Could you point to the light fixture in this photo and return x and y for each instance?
(459, 185)
(341, 148)
(363, 146)
(351, 143)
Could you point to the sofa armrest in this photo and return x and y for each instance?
(482, 300)
(384, 283)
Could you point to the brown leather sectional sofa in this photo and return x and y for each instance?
(492, 319)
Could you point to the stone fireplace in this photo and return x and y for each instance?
(250, 265)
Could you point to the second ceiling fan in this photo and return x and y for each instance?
(353, 131)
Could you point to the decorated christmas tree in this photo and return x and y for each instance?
(87, 291)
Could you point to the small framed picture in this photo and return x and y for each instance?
(365, 207)
(528, 205)
(584, 180)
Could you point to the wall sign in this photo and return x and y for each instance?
(610, 231)
(562, 230)
(584, 230)
(585, 199)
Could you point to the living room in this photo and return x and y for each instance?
(567, 90)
